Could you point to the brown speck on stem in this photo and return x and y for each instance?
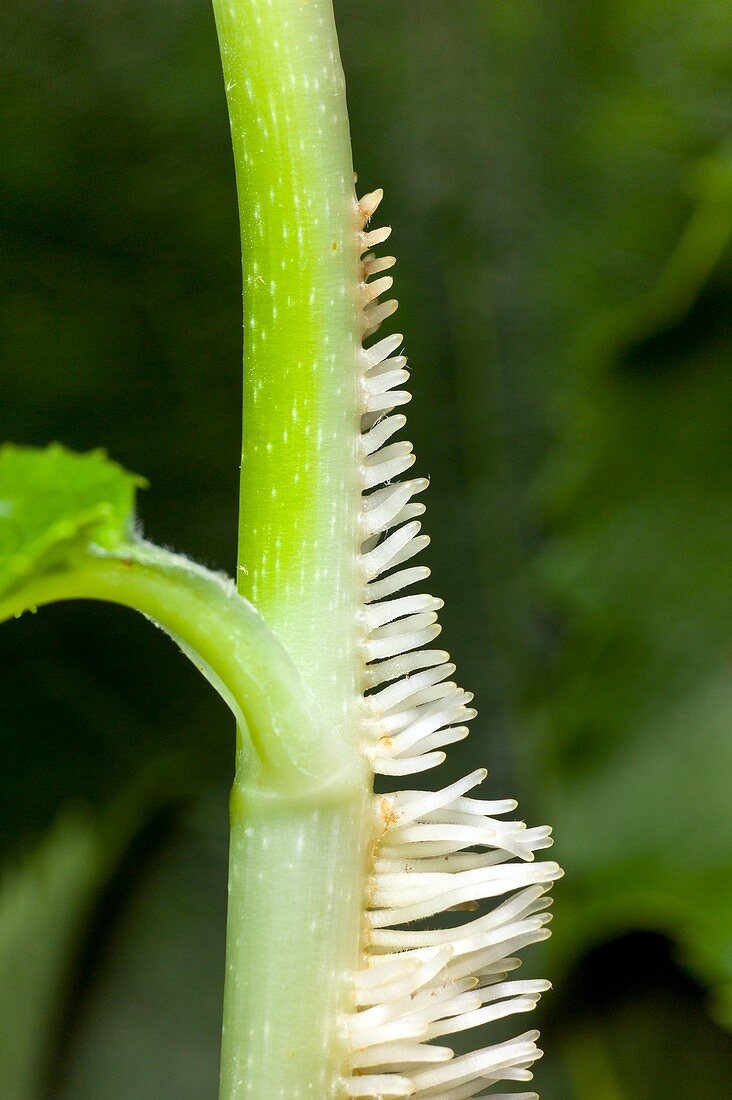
(387, 812)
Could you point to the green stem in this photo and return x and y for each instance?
(298, 536)
(227, 639)
(297, 874)
(296, 896)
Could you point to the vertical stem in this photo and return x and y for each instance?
(298, 518)
(297, 868)
(296, 886)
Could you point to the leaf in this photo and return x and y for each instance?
(47, 903)
(43, 905)
(154, 998)
(638, 702)
(646, 839)
(54, 502)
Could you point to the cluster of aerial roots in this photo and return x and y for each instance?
(438, 851)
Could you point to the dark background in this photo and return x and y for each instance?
(559, 175)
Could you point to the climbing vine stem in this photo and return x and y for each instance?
(297, 871)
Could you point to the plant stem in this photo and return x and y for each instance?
(298, 536)
(296, 886)
(297, 872)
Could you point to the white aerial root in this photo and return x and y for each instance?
(438, 851)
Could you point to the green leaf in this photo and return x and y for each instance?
(646, 839)
(54, 502)
(48, 900)
(638, 701)
(43, 906)
(155, 994)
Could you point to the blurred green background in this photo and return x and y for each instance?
(559, 175)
